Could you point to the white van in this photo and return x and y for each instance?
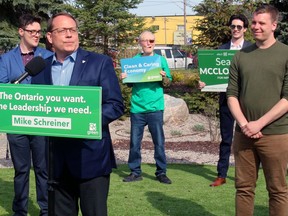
(174, 57)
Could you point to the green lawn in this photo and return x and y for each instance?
(189, 194)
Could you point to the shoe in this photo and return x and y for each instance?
(132, 177)
(164, 179)
(218, 181)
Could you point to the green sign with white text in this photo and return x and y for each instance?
(214, 68)
(59, 111)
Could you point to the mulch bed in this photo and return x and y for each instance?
(196, 146)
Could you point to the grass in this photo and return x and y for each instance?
(189, 194)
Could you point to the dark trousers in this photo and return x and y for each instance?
(92, 194)
(226, 130)
(22, 148)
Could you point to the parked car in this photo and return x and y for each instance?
(175, 58)
(194, 58)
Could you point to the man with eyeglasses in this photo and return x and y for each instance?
(147, 106)
(81, 167)
(238, 25)
(25, 147)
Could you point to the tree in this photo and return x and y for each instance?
(282, 30)
(214, 26)
(107, 23)
(10, 11)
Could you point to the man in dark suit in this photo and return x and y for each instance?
(82, 167)
(25, 148)
(238, 24)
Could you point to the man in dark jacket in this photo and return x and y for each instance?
(238, 24)
(82, 167)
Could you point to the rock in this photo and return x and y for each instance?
(176, 111)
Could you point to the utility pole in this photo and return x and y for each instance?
(185, 36)
(165, 20)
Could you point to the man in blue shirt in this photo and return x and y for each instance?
(23, 147)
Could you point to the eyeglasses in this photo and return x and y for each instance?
(33, 32)
(150, 41)
(64, 31)
(239, 27)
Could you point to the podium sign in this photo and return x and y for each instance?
(59, 111)
(214, 68)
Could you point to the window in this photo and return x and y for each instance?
(168, 53)
(157, 51)
(177, 53)
(180, 27)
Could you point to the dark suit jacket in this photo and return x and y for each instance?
(222, 96)
(86, 158)
(227, 45)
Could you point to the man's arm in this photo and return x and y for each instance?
(3, 71)
(112, 102)
(234, 106)
(273, 114)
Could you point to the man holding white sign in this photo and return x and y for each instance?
(147, 106)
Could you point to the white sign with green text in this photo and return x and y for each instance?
(59, 111)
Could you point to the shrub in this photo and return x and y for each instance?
(184, 85)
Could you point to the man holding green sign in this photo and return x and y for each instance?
(82, 167)
(238, 24)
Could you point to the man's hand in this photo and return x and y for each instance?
(201, 85)
(163, 73)
(122, 76)
(252, 129)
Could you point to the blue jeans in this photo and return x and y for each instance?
(154, 120)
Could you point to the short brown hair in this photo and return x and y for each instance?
(27, 19)
(267, 8)
(50, 21)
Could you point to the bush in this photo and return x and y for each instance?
(126, 94)
(206, 103)
(184, 85)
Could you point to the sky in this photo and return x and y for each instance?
(164, 7)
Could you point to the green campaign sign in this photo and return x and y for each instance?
(60, 111)
(214, 68)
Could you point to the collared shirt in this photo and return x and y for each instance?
(62, 72)
(236, 47)
(26, 57)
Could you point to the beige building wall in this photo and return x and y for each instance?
(171, 29)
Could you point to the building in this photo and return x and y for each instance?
(170, 29)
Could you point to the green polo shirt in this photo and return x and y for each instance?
(149, 96)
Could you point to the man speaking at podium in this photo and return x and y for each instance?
(82, 167)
